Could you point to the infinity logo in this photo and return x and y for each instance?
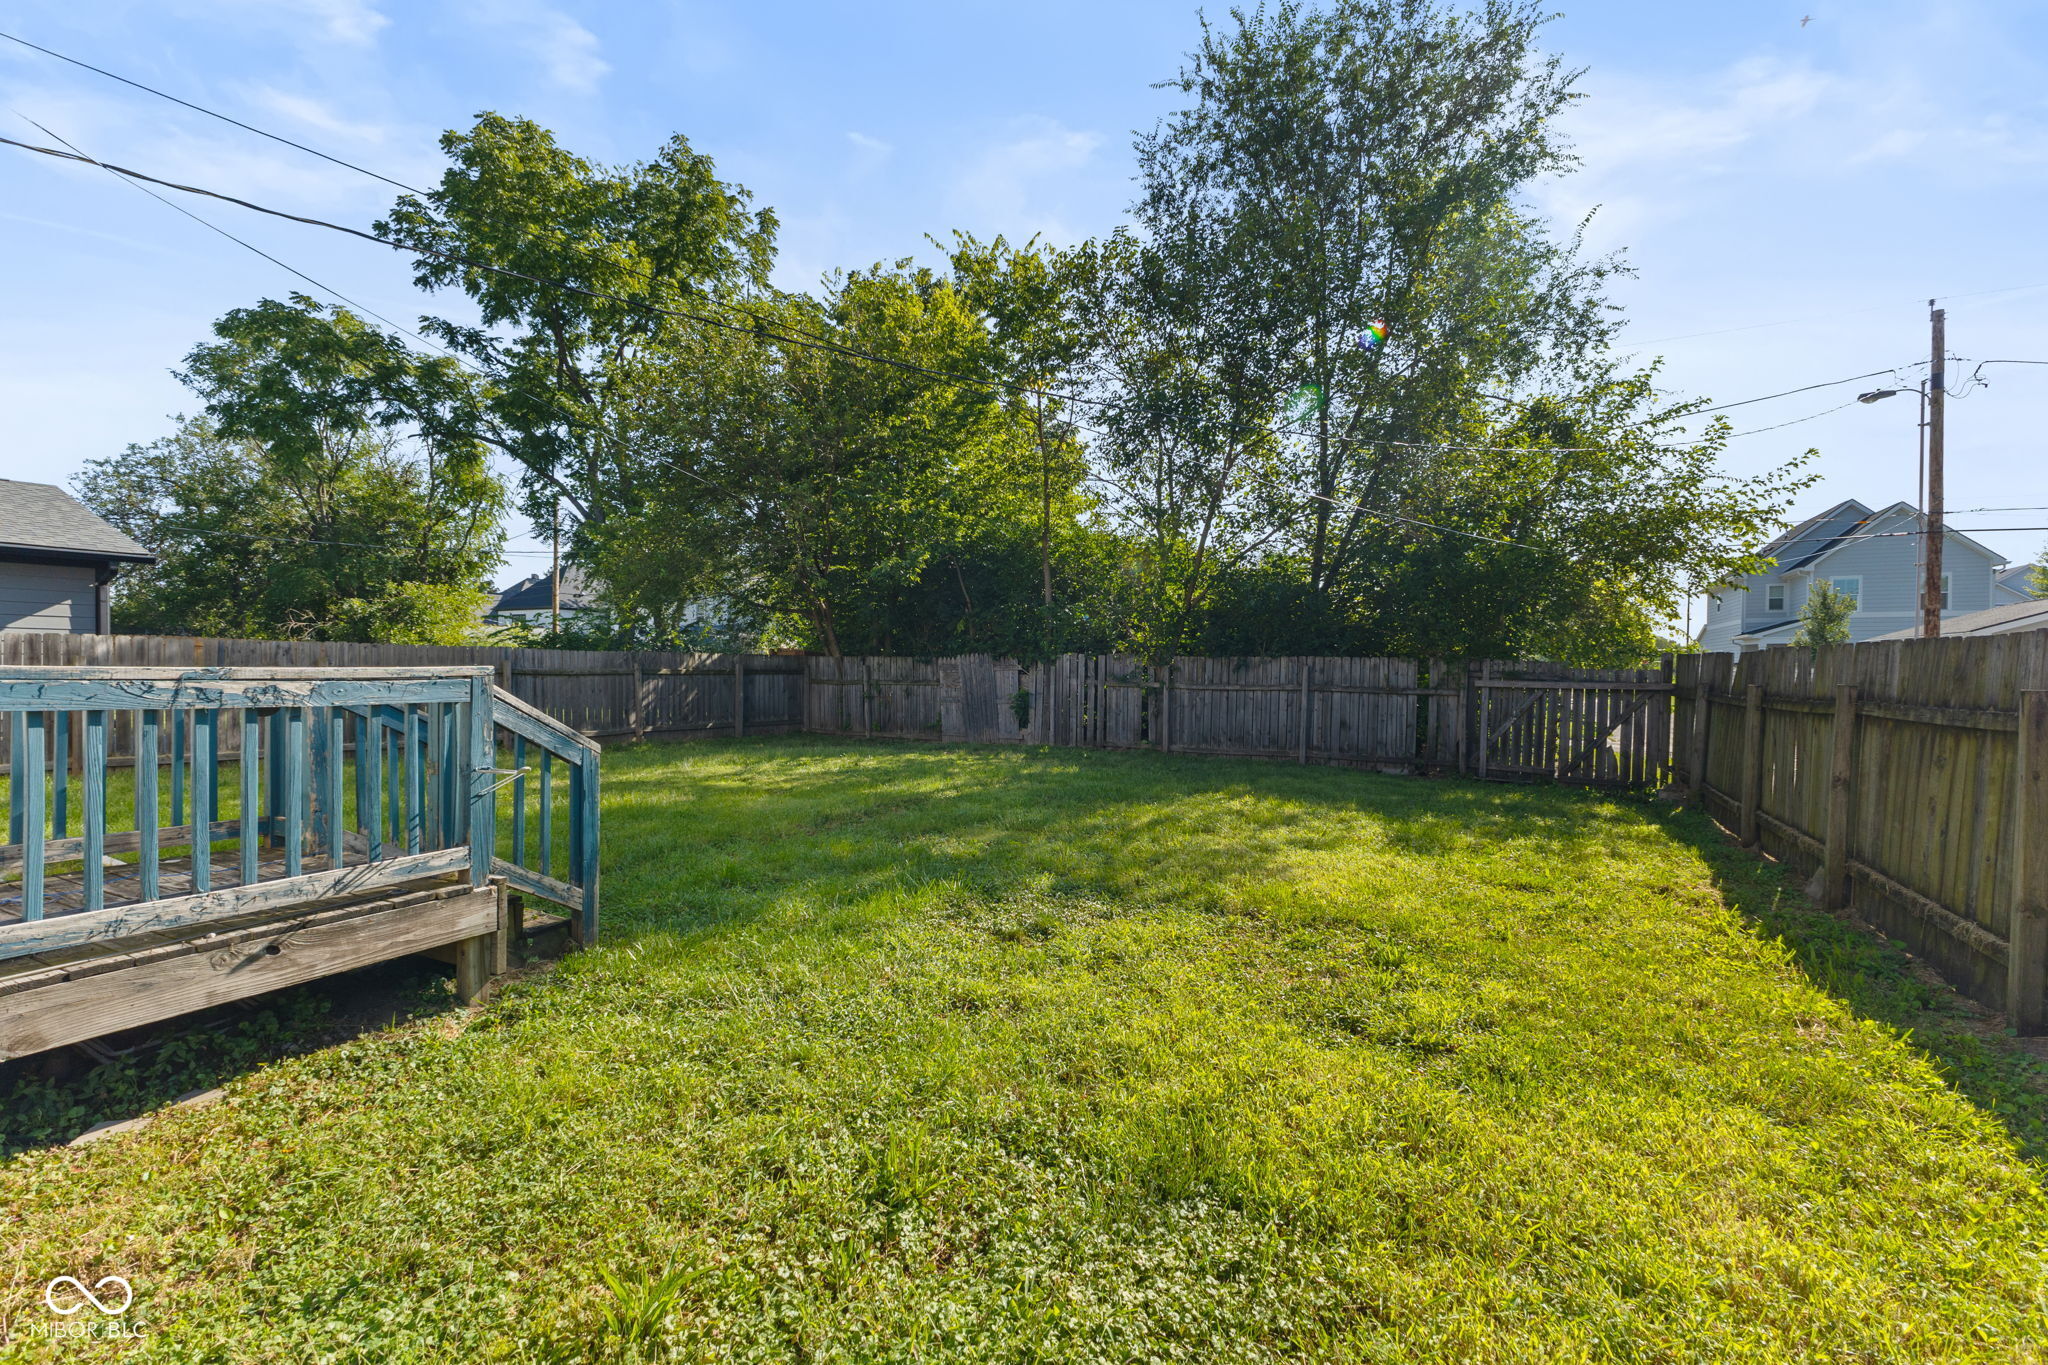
(50, 1295)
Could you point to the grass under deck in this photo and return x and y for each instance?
(915, 1053)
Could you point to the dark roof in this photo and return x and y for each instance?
(47, 522)
(536, 593)
(1815, 536)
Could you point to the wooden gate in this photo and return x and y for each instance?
(1601, 727)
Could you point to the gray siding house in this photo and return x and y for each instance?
(2017, 584)
(57, 560)
(1872, 556)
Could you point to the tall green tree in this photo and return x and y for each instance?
(1362, 163)
(565, 364)
(864, 506)
(335, 489)
(368, 542)
(1038, 335)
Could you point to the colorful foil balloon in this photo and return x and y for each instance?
(1375, 332)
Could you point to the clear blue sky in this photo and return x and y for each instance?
(1829, 177)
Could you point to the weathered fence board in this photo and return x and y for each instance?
(1894, 770)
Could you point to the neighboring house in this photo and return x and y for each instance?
(2016, 584)
(57, 561)
(532, 600)
(2031, 614)
(1871, 556)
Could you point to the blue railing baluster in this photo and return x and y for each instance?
(95, 821)
(430, 762)
(575, 821)
(393, 735)
(546, 866)
(519, 801)
(16, 728)
(34, 728)
(205, 783)
(585, 872)
(415, 782)
(294, 799)
(273, 790)
(337, 755)
(177, 722)
(479, 757)
(252, 798)
(147, 775)
(60, 777)
(365, 723)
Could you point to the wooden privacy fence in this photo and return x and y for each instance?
(1502, 720)
(1910, 777)
(1513, 721)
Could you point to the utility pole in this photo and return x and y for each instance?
(1934, 528)
(555, 576)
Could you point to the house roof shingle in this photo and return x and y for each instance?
(1996, 621)
(44, 519)
(536, 593)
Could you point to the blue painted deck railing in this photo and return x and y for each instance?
(344, 780)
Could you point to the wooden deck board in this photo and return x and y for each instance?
(146, 979)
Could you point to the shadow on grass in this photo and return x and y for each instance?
(49, 1098)
(1880, 981)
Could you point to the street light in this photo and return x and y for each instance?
(1926, 528)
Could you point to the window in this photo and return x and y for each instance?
(1851, 588)
(1774, 597)
(1944, 592)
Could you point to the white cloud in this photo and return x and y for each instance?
(345, 21)
(1005, 188)
(566, 51)
(314, 114)
(868, 153)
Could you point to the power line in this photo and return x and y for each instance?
(561, 234)
(758, 329)
(215, 227)
(211, 113)
(1808, 388)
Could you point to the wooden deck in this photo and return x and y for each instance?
(67, 995)
(365, 803)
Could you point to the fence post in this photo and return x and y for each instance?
(1166, 710)
(636, 719)
(1307, 703)
(739, 696)
(1702, 710)
(1834, 890)
(1482, 735)
(1752, 761)
(867, 702)
(2026, 982)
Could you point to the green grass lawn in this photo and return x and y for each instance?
(902, 1053)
